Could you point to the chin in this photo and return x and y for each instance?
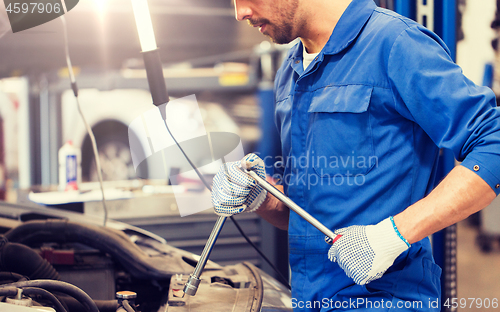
(280, 40)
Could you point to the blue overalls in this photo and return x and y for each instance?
(360, 135)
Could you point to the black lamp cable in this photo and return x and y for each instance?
(98, 166)
(74, 87)
(202, 178)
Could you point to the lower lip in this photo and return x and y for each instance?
(261, 28)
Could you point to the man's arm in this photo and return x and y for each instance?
(274, 211)
(456, 115)
(459, 195)
(430, 90)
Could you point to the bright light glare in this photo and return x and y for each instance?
(100, 5)
(144, 25)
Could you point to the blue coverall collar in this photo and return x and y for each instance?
(349, 26)
(347, 29)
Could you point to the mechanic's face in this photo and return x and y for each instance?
(275, 18)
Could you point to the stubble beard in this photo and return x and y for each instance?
(281, 33)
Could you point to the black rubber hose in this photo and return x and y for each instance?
(23, 260)
(63, 287)
(8, 291)
(12, 277)
(107, 305)
(114, 242)
(74, 305)
(46, 295)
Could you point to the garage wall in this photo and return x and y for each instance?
(475, 50)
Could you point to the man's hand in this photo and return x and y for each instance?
(234, 191)
(366, 252)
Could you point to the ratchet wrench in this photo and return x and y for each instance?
(330, 236)
(191, 286)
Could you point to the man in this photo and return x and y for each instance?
(363, 103)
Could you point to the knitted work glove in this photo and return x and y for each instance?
(366, 252)
(234, 191)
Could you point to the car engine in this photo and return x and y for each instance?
(66, 266)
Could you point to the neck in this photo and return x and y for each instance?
(321, 21)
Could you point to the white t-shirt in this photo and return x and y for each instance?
(308, 58)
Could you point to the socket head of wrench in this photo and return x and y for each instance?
(331, 241)
(191, 286)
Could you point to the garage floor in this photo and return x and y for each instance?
(478, 272)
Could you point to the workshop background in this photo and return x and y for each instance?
(229, 66)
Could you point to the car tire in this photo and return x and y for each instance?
(114, 154)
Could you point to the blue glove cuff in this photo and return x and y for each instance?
(397, 232)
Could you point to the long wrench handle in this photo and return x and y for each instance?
(191, 286)
(292, 205)
(209, 245)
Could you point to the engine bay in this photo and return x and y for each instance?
(66, 266)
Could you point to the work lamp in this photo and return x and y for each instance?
(150, 52)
